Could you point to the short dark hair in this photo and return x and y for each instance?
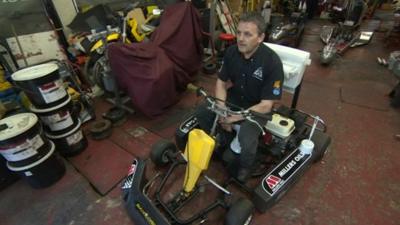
(255, 18)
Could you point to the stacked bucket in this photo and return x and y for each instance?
(25, 143)
(28, 152)
(52, 104)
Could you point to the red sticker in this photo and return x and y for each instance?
(272, 181)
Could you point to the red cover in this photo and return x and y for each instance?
(154, 73)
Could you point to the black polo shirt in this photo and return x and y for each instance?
(258, 78)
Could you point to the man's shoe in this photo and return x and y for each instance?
(243, 175)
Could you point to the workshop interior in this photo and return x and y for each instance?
(100, 102)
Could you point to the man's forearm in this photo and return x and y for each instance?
(220, 90)
(265, 106)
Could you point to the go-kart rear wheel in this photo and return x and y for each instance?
(321, 142)
(160, 151)
(240, 213)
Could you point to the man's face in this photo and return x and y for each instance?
(247, 37)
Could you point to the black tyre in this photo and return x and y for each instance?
(100, 129)
(395, 97)
(89, 70)
(160, 150)
(209, 68)
(299, 37)
(240, 213)
(321, 143)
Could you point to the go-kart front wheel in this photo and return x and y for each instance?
(160, 152)
(327, 57)
(321, 141)
(240, 213)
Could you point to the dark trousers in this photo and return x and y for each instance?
(248, 135)
(312, 6)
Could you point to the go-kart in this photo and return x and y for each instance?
(345, 33)
(289, 33)
(340, 38)
(288, 28)
(285, 154)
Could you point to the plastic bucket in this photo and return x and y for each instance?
(6, 176)
(43, 172)
(22, 141)
(71, 143)
(57, 119)
(42, 84)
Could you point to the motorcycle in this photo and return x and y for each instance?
(345, 33)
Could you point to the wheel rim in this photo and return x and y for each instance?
(164, 156)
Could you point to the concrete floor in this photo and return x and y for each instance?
(357, 182)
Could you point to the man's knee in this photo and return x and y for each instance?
(246, 141)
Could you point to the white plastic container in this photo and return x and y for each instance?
(280, 126)
(306, 146)
(294, 63)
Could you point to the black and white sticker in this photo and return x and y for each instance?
(284, 171)
(58, 121)
(28, 173)
(188, 125)
(52, 91)
(131, 174)
(22, 150)
(74, 138)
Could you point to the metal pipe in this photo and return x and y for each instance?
(19, 44)
(217, 185)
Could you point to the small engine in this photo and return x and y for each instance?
(280, 128)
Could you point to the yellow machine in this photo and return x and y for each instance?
(113, 37)
(198, 152)
(4, 84)
(137, 22)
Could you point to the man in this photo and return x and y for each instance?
(251, 77)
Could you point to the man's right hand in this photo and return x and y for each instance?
(225, 124)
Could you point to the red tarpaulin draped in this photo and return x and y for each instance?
(154, 73)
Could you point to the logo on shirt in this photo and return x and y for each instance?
(258, 74)
(220, 68)
(277, 84)
(276, 87)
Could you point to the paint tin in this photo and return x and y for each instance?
(42, 84)
(21, 139)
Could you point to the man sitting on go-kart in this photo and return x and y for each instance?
(251, 77)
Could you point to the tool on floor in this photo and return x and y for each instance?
(100, 129)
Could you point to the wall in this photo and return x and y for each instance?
(66, 10)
